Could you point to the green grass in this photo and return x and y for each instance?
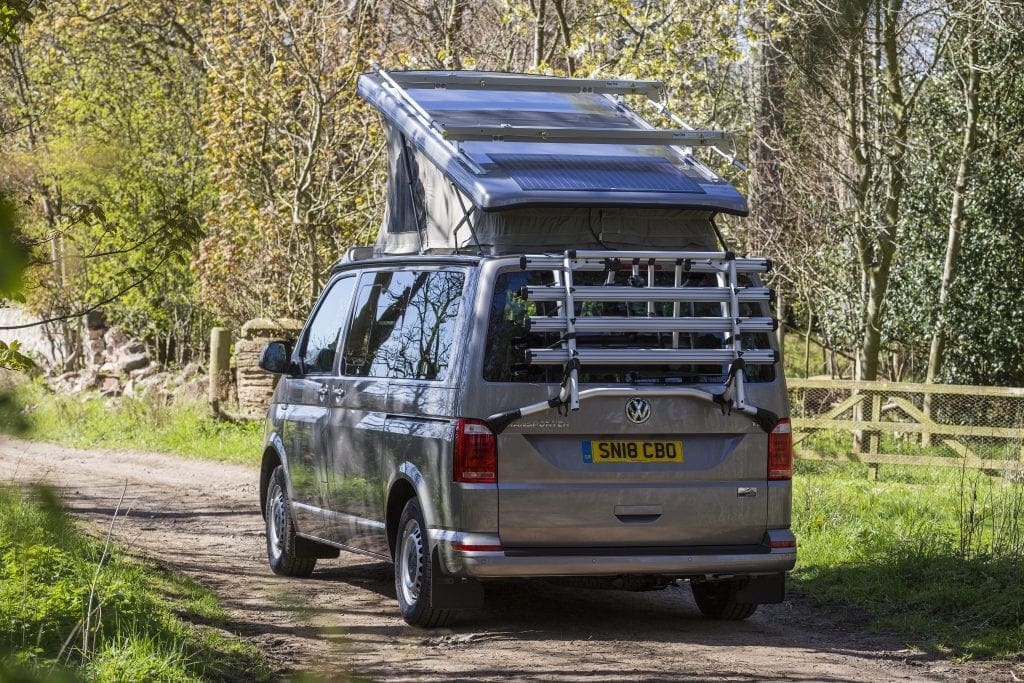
(145, 623)
(90, 421)
(935, 555)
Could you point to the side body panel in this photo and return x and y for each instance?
(355, 490)
(304, 428)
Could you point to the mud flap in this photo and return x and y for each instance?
(451, 592)
(761, 590)
(306, 548)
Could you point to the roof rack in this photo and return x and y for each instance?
(687, 136)
(599, 136)
(470, 80)
(473, 153)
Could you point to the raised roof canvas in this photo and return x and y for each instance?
(497, 195)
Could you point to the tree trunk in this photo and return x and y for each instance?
(538, 33)
(956, 216)
(766, 187)
(885, 240)
(563, 26)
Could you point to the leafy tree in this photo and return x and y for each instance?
(13, 15)
(291, 149)
(107, 156)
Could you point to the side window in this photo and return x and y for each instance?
(370, 346)
(428, 329)
(404, 325)
(320, 345)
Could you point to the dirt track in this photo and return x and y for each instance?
(202, 519)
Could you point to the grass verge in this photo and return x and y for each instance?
(30, 411)
(72, 609)
(937, 555)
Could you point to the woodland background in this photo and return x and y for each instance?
(180, 165)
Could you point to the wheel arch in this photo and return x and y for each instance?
(408, 484)
(273, 455)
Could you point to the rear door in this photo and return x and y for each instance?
(630, 470)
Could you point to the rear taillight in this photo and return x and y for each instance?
(475, 453)
(470, 548)
(780, 451)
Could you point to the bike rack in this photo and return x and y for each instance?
(569, 322)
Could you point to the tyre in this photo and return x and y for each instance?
(717, 600)
(282, 543)
(412, 570)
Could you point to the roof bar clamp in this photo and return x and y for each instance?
(663, 109)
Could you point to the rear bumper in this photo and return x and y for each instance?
(549, 562)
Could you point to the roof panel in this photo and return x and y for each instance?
(594, 173)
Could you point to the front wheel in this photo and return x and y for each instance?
(717, 600)
(282, 543)
(412, 570)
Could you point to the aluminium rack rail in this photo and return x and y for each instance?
(567, 293)
(644, 134)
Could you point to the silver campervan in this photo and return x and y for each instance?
(549, 365)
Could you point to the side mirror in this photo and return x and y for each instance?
(275, 358)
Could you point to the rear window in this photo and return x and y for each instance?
(508, 337)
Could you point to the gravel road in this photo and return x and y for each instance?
(202, 518)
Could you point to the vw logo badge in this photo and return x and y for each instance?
(638, 410)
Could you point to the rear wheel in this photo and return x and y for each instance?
(412, 570)
(282, 543)
(717, 600)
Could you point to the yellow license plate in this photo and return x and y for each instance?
(632, 451)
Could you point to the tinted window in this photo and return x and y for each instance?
(404, 324)
(321, 342)
(508, 336)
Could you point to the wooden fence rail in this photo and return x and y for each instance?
(937, 425)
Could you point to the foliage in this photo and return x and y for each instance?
(12, 264)
(912, 556)
(104, 152)
(181, 164)
(847, 193)
(12, 252)
(12, 358)
(986, 313)
(13, 14)
(52, 576)
(291, 148)
(149, 423)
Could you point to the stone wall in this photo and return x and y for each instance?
(255, 386)
(114, 363)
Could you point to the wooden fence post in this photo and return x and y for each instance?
(220, 367)
(926, 407)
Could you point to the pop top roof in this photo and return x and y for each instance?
(514, 140)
